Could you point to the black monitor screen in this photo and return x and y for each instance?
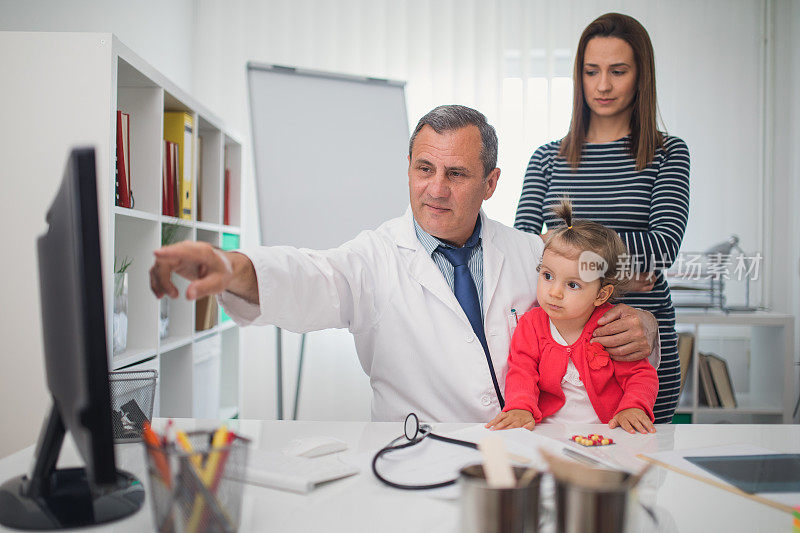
(73, 316)
(76, 361)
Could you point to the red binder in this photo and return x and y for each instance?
(169, 187)
(164, 179)
(124, 198)
(226, 214)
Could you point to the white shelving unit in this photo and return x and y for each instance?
(767, 387)
(97, 75)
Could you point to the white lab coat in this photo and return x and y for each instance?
(412, 337)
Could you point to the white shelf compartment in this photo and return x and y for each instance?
(136, 239)
(230, 371)
(176, 383)
(142, 99)
(759, 350)
(233, 162)
(210, 173)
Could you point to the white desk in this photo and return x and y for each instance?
(361, 503)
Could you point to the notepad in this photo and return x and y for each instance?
(294, 474)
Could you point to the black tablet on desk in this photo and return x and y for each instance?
(755, 473)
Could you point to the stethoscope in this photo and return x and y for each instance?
(414, 434)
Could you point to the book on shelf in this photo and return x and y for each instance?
(124, 194)
(205, 313)
(226, 191)
(230, 241)
(179, 128)
(174, 178)
(721, 377)
(708, 393)
(170, 185)
(199, 195)
(685, 349)
(226, 206)
(164, 179)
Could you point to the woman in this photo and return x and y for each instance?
(619, 170)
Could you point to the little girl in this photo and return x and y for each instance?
(554, 371)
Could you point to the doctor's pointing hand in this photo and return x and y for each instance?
(426, 295)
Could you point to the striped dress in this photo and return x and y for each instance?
(648, 209)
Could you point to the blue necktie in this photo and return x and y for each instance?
(464, 287)
(467, 295)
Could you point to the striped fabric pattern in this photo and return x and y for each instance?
(475, 264)
(648, 209)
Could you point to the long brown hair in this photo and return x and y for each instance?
(645, 137)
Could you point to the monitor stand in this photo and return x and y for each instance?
(64, 498)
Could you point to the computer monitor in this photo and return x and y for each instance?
(76, 362)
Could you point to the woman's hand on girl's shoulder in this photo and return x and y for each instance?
(515, 418)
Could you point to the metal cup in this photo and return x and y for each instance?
(592, 509)
(492, 510)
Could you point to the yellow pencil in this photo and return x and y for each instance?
(183, 440)
(207, 476)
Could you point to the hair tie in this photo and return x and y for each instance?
(569, 227)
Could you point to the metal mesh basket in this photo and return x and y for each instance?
(132, 395)
(199, 491)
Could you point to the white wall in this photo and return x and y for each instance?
(161, 32)
(165, 42)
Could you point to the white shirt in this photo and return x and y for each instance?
(577, 409)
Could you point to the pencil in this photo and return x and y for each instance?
(183, 442)
(207, 476)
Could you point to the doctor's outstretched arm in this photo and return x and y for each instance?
(210, 271)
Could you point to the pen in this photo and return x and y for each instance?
(516, 318)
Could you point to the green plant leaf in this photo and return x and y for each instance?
(123, 265)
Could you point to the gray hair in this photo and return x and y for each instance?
(453, 117)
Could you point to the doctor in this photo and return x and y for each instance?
(427, 296)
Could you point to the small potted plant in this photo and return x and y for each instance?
(120, 319)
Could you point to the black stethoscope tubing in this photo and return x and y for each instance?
(420, 433)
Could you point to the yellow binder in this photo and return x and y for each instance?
(179, 128)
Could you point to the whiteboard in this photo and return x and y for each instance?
(330, 154)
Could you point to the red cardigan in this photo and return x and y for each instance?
(537, 364)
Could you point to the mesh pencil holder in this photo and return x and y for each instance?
(132, 395)
(199, 491)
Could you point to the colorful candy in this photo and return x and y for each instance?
(592, 440)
